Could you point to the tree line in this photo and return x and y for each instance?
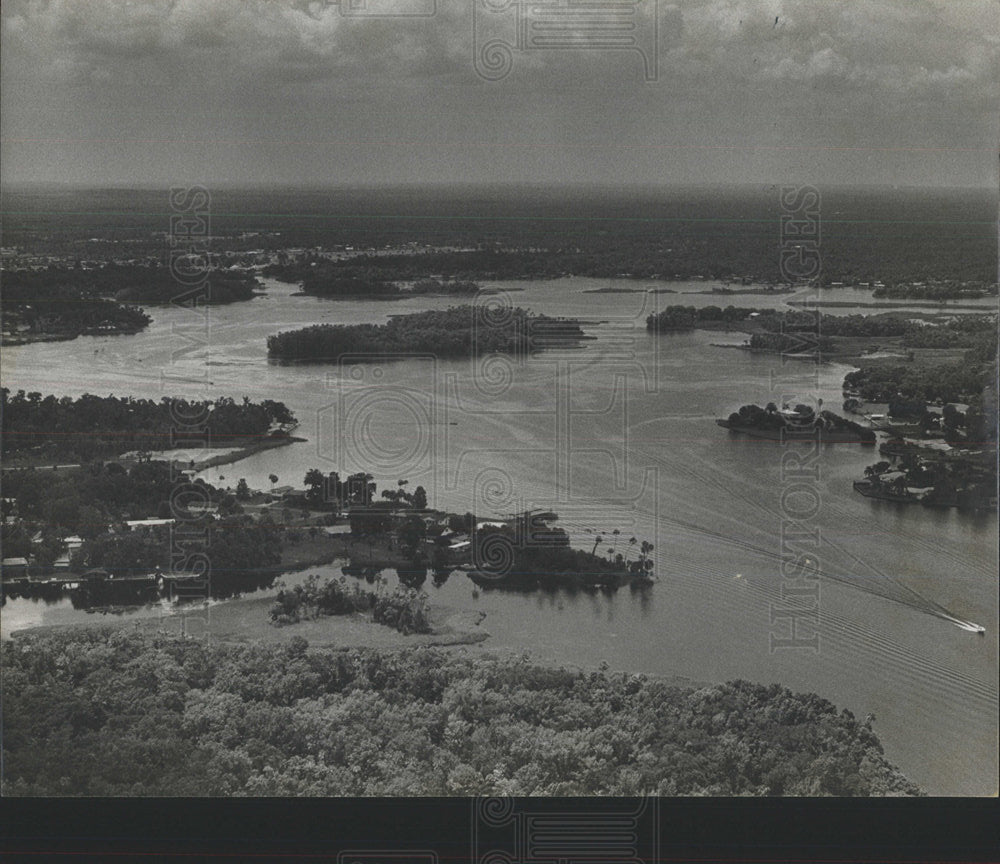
(96, 427)
(152, 283)
(104, 711)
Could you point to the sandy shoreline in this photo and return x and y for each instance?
(244, 620)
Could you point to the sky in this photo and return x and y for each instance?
(260, 92)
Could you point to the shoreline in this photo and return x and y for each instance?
(241, 620)
(902, 305)
(17, 340)
(240, 454)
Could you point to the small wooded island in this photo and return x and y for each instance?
(459, 331)
(798, 423)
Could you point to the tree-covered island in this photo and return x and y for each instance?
(797, 423)
(460, 331)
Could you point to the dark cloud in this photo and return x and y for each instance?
(146, 90)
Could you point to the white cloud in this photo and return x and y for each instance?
(910, 45)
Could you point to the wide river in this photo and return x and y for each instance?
(620, 434)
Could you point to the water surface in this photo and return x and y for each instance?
(620, 434)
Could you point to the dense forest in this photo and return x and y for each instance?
(460, 331)
(787, 330)
(128, 283)
(962, 382)
(101, 493)
(88, 501)
(67, 314)
(100, 427)
(96, 711)
(80, 499)
(227, 549)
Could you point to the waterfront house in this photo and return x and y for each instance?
(147, 523)
(14, 568)
(458, 550)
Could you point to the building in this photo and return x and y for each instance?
(12, 568)
(147, 523)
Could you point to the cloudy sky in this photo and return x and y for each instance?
(280, 91)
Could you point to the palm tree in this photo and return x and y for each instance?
(645, 549)
(597, 542)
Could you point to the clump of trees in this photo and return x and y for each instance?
(371, 281)
(530, 551)
(104, 711)
(404, 609)
(677, 318)
(67, 315)
(954, 382)
(85, 500)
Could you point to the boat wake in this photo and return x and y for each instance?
(885, 585)
(971, 626)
